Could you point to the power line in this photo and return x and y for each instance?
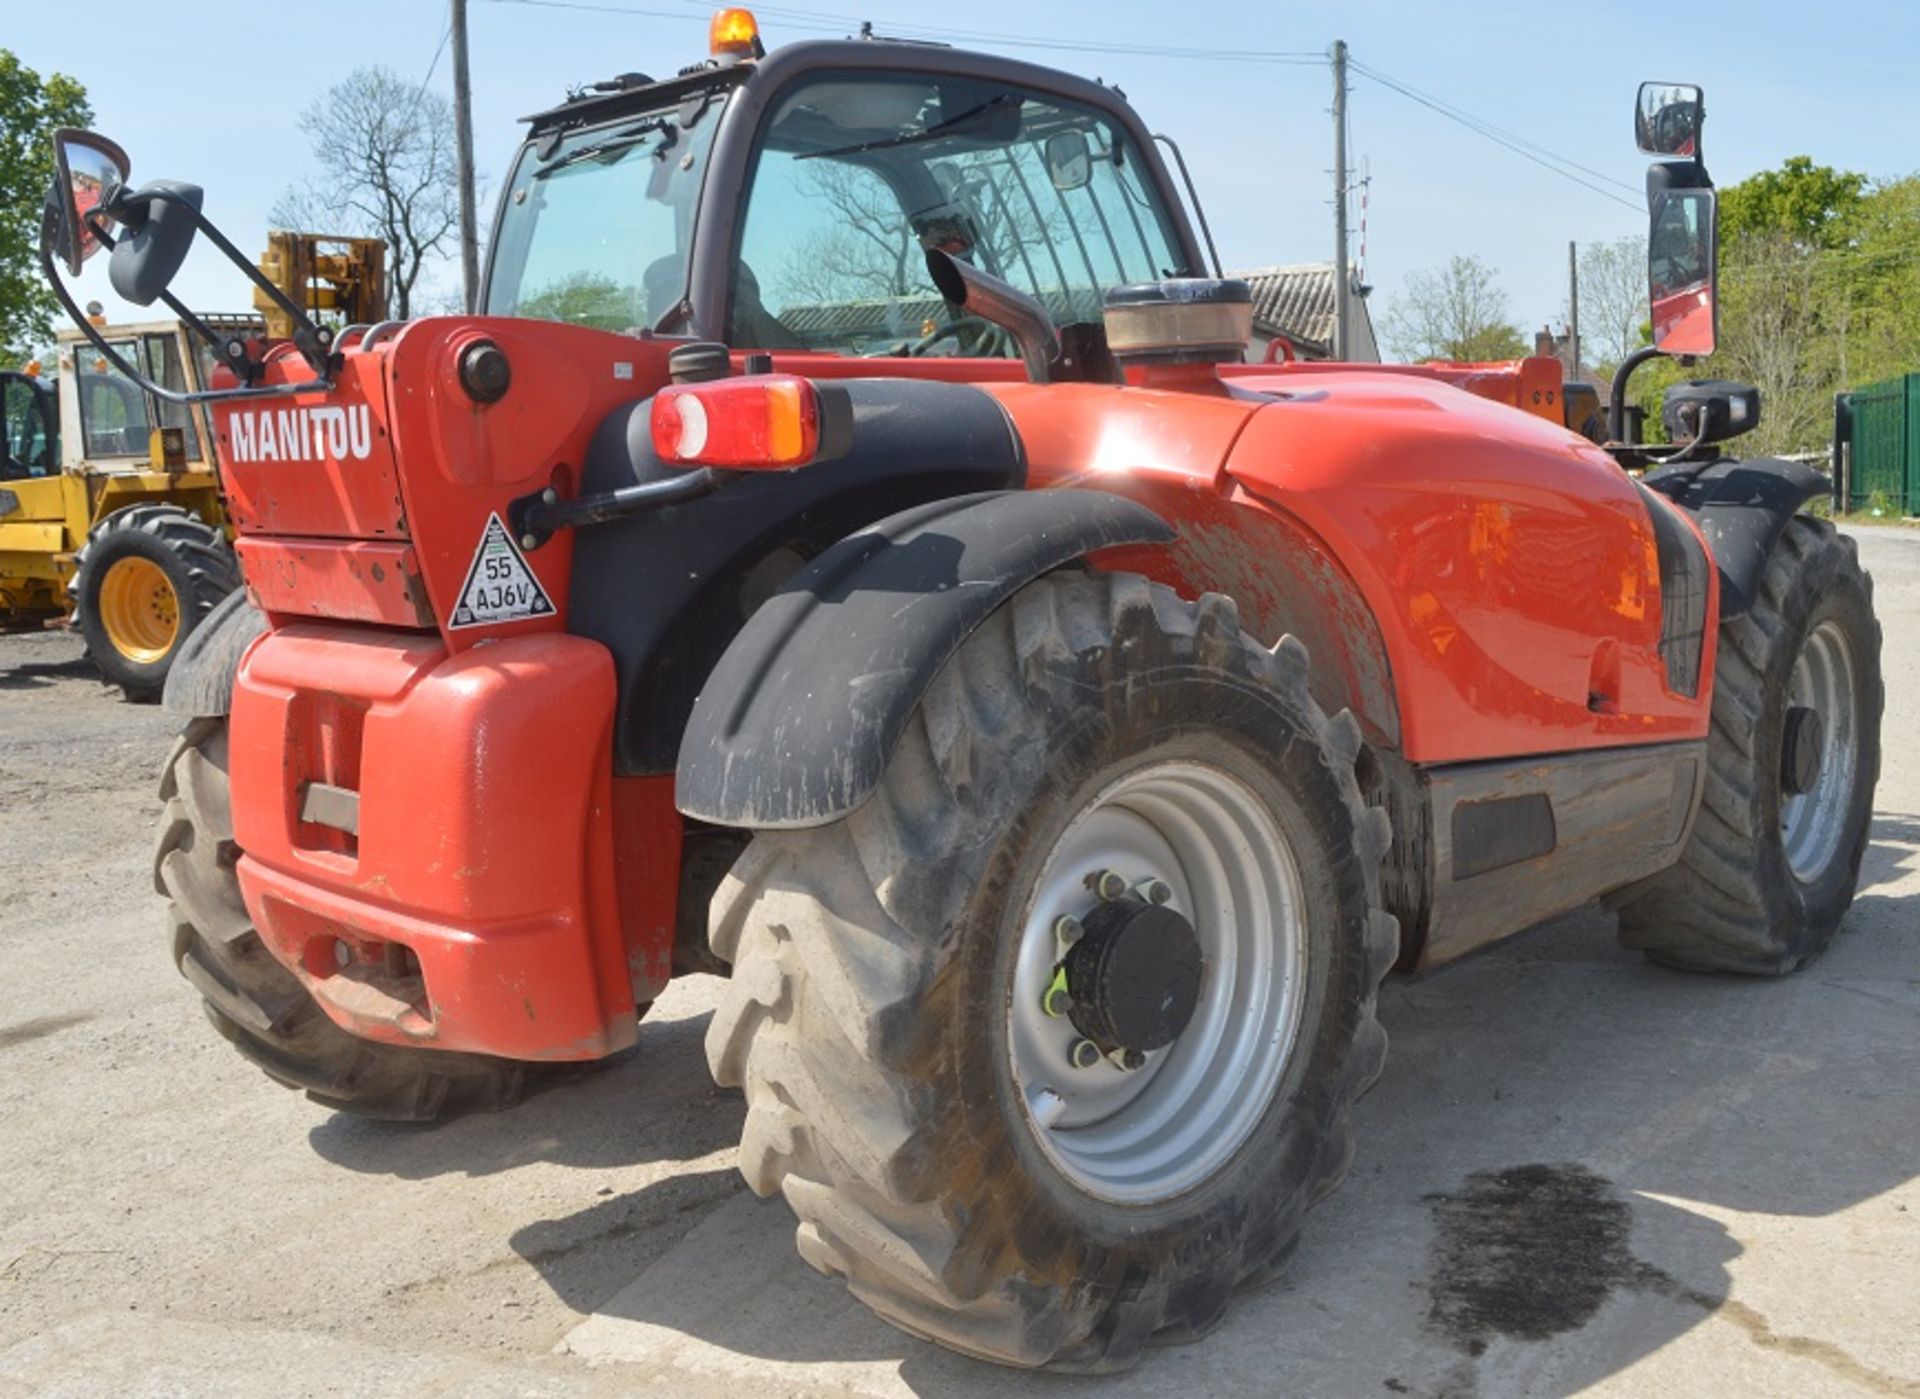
(819, 21)
(1461, 114)
(1527, 150)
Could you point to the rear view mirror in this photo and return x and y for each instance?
(1069, 160)
(1680, 271)
(1666, 119)
(88, 170)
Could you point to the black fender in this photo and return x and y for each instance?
(1742, 507)
(667, 591)
(797, 721)
(200, 680)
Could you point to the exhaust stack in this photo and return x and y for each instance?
(978, 293)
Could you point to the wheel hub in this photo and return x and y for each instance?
(1133, 978)
(1800, 750)
(1168, 913)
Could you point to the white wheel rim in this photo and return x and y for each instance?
(1147, 1134)
(1812, 822)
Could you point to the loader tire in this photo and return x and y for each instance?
(147, 576)
(256, 1003)
(1769, 870)
(884, 1015)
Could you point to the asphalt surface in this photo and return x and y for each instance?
(1578, 1172)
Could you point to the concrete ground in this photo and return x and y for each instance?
(1579, 1172)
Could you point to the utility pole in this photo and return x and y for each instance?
(463, 156)
(1573, 310)
(1340, 341)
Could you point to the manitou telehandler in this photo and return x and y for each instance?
(848, 555)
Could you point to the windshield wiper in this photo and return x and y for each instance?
(938, 129)
(615, 146)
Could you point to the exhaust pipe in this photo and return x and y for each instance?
(967, 288)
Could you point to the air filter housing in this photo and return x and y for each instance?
(1183, 320)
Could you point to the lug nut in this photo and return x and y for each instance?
(1132, 1059)
(1158, 891)
(1067, 929)
(1083, 1054)
(1109, 885)
(1056, 1000)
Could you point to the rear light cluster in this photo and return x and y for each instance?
(761, 422)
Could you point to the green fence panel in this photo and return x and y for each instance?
(1910, 505)
(1879, 448)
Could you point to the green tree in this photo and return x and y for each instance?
(1876, 283)
(30, 109)
(1812, 204)
(1457, 311)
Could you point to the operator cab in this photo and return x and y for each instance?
(789, 203)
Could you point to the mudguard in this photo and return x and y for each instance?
(795, 724)
(200, 680)
(1742, 508)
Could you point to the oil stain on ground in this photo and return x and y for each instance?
(1531, 1252)
(1527, 1252)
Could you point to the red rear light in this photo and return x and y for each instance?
(764, 422)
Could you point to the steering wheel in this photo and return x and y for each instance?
(990, 339)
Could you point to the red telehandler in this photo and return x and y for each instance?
(847, 554)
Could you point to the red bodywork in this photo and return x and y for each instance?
(1476, 582)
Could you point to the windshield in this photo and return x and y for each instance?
(857, 174)
(596, 231)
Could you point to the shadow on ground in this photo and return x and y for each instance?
(38, 675)
(654, 1103)
(1498, 1233)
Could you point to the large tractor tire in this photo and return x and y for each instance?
(1048, 1167)
(254, 1001)
(1792, 759)
(146, 577)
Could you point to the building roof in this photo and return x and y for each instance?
(1295, 301)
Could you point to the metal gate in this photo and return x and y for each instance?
(1877, 435)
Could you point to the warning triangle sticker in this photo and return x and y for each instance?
(499, 587)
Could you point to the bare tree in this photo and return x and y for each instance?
(386, 155)
(862, 250)
(1456, 311)
(1613, 299)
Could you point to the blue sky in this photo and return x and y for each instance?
(212, 93)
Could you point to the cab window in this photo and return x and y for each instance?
(28, 448)
(856, 175)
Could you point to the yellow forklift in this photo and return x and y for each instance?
(110, 506)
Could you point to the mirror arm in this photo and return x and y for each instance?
(1617, 396)
(119, 362)
(314, 342)
(231, 352)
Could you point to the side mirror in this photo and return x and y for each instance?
(88, 171)
(1069, 160)
(1681, 253)
(1666, 119)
